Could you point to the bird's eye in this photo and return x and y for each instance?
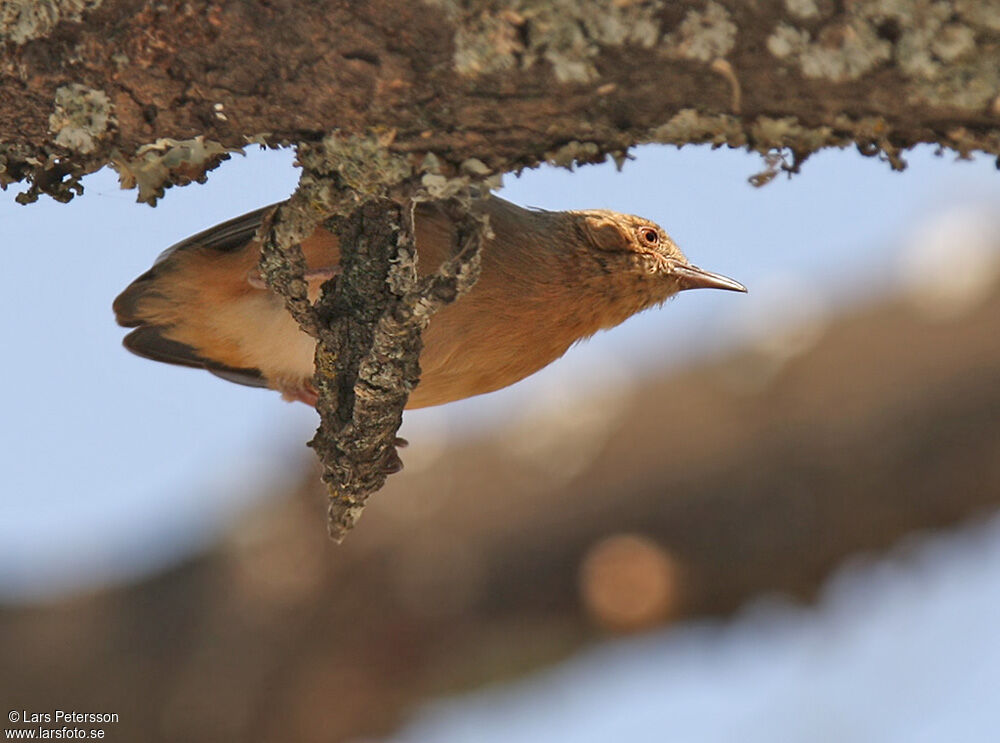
(649, 236)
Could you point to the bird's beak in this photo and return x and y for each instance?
(692, 277)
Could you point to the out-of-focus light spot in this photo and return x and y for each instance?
(784, 317)
(951, 261)
(629, 583)
(566, 422)
(900, 650)
(787, 320)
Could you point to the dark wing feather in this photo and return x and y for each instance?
(148, 342)
(222, 237)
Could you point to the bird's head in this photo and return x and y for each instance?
(641, 251)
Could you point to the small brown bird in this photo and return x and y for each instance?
(548, 280)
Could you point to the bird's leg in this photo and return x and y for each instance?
(299, 392)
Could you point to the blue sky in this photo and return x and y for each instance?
(111, 465)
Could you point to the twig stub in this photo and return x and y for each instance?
(368, 328)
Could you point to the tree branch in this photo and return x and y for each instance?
(376, 317)
(368, 320)
(161, 91)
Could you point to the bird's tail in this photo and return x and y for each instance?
(171, 306)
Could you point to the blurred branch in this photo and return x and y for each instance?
(889, 424)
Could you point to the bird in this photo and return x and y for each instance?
(548, 279)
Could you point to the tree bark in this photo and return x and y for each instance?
(163, 91)
(369, 318)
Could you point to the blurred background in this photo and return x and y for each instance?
(762, 517)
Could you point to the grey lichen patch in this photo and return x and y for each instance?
(364, 163)
(82, 116)
(954, 42)
(971, 87)
(966, 142)
(786, 142)
(263, 139)
(984, 14)
(690, 126)
(841, 52)
(573, 153)
(343, 170)
(949, 51)
(804, 9)
(489, 43)
(769, 133)
(168, 162)
(951, 62)
(474, 179)
(23, 20)
(920, 22)
(787, 40)
(703, 35)
(566, 33)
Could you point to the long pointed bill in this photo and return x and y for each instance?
(692, 277)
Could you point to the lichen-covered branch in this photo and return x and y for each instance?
(367, 365)
(281, 261)
(368, 321)
(375, 318)
(164, 92)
